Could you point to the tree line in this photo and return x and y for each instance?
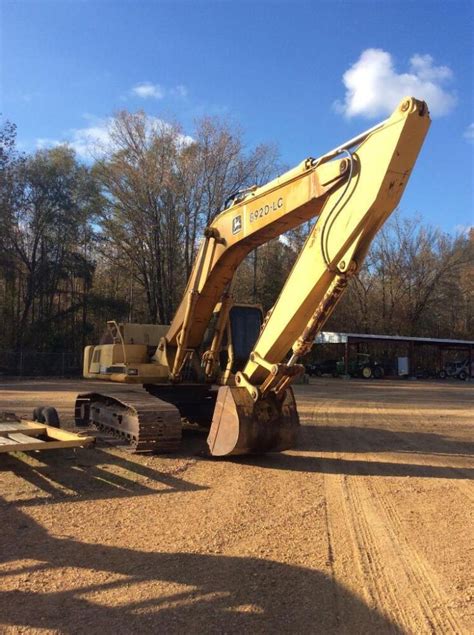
(115, 238)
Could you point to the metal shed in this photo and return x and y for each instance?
(441, 345)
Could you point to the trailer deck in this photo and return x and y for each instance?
(20, 435)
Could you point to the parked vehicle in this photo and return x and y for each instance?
(459, 370)
(326, 367)
(363, 366)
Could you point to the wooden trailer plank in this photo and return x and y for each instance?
(34, 431)
(8, 426)
(7, 441)
(21, 422)
(19, 437)
(62, 435)
(46, 445)
(23, 447)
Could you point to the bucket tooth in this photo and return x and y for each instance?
(242, 426)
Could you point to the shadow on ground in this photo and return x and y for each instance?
(355, 440)
(175, 592)
(420, 394)
(93, 474)
(89, 474)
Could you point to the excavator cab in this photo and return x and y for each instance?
(245, 322)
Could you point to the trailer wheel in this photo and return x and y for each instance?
(442, 374)
(462, 375)
(47, 415)
(38, 414)
(366, 372)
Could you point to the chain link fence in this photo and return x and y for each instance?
(35, 364)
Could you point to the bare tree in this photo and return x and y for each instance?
(213, 167)
(413, 283)
(141, 226)
(162, 189)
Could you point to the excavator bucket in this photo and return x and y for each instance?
(242, 426)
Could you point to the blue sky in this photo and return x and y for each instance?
(307, 75)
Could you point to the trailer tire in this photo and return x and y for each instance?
(48, 415)
(462, 375)
(366, 372)
(38, 414)
(442, 374)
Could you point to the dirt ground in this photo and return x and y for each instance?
(366, 527)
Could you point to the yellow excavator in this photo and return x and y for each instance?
(227, 365)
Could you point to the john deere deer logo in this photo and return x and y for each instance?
(236, 224)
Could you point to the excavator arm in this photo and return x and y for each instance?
(259, 413)
(378, 171)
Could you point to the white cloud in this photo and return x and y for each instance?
(374, 87)
(45, 142)
(469, 133)
(88, 142)
(147, 90)
(93, 141)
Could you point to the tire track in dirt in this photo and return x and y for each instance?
(354, 555)
(340, 561)
(356, 544)
(395, 577)
(422, 578)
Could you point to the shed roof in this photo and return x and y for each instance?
(328, 337)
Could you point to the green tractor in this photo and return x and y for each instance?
(362, 366)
